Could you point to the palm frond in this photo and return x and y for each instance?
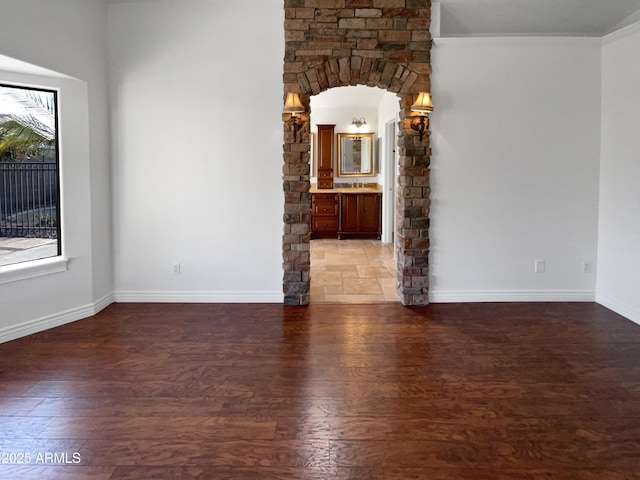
(22, 108)
(27, 123)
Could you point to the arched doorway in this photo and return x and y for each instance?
(412, 222)
(352, 267)
(347, 42)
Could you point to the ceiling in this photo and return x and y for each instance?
(466, 18)
(592, 18)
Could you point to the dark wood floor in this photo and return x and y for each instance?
(216, 392)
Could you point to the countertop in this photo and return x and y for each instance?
(369, 189)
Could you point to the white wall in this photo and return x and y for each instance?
(197, 134)
(341, 117)
(196, 95)
(388, 110)
(619, 230)
(68, 37)
(515, 136)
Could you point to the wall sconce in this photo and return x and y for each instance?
(358, 122)
(423, 106)
(293, 105)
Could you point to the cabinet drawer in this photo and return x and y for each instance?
(325, 173)
(324, 223)
(325, 209)
(325, 198)
(325, 183)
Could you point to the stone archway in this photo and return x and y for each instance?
(394, 54)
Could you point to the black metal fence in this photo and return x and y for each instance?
(28, 199)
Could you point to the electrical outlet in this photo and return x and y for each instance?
(539, 266)
(586, 267)
(177, 268)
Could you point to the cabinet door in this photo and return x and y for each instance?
(325, 146)
(349, 219)
(369, 212)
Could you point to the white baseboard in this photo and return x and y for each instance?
(72, 315)
(620, 308)
(463, 296)
(199, 297)
(103, 303)
(51, 321)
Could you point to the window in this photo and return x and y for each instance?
(29, 175)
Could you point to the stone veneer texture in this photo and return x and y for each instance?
(378, 43)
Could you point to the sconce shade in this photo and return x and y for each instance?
(358, 122)
(292, 104)
(423, 104)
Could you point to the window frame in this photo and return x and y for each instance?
(54, 263)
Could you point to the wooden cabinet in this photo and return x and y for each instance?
(325, 179)
(360, 215)
(324, 215)
(325, 156)
(346, 215)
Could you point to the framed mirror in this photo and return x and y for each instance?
(355, 155)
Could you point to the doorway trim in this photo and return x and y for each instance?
(390, 174)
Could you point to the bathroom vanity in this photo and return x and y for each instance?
(349, 212)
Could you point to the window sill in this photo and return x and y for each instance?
(32, 269)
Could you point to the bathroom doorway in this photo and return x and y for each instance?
(358, 270)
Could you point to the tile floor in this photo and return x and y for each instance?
(352, 271)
